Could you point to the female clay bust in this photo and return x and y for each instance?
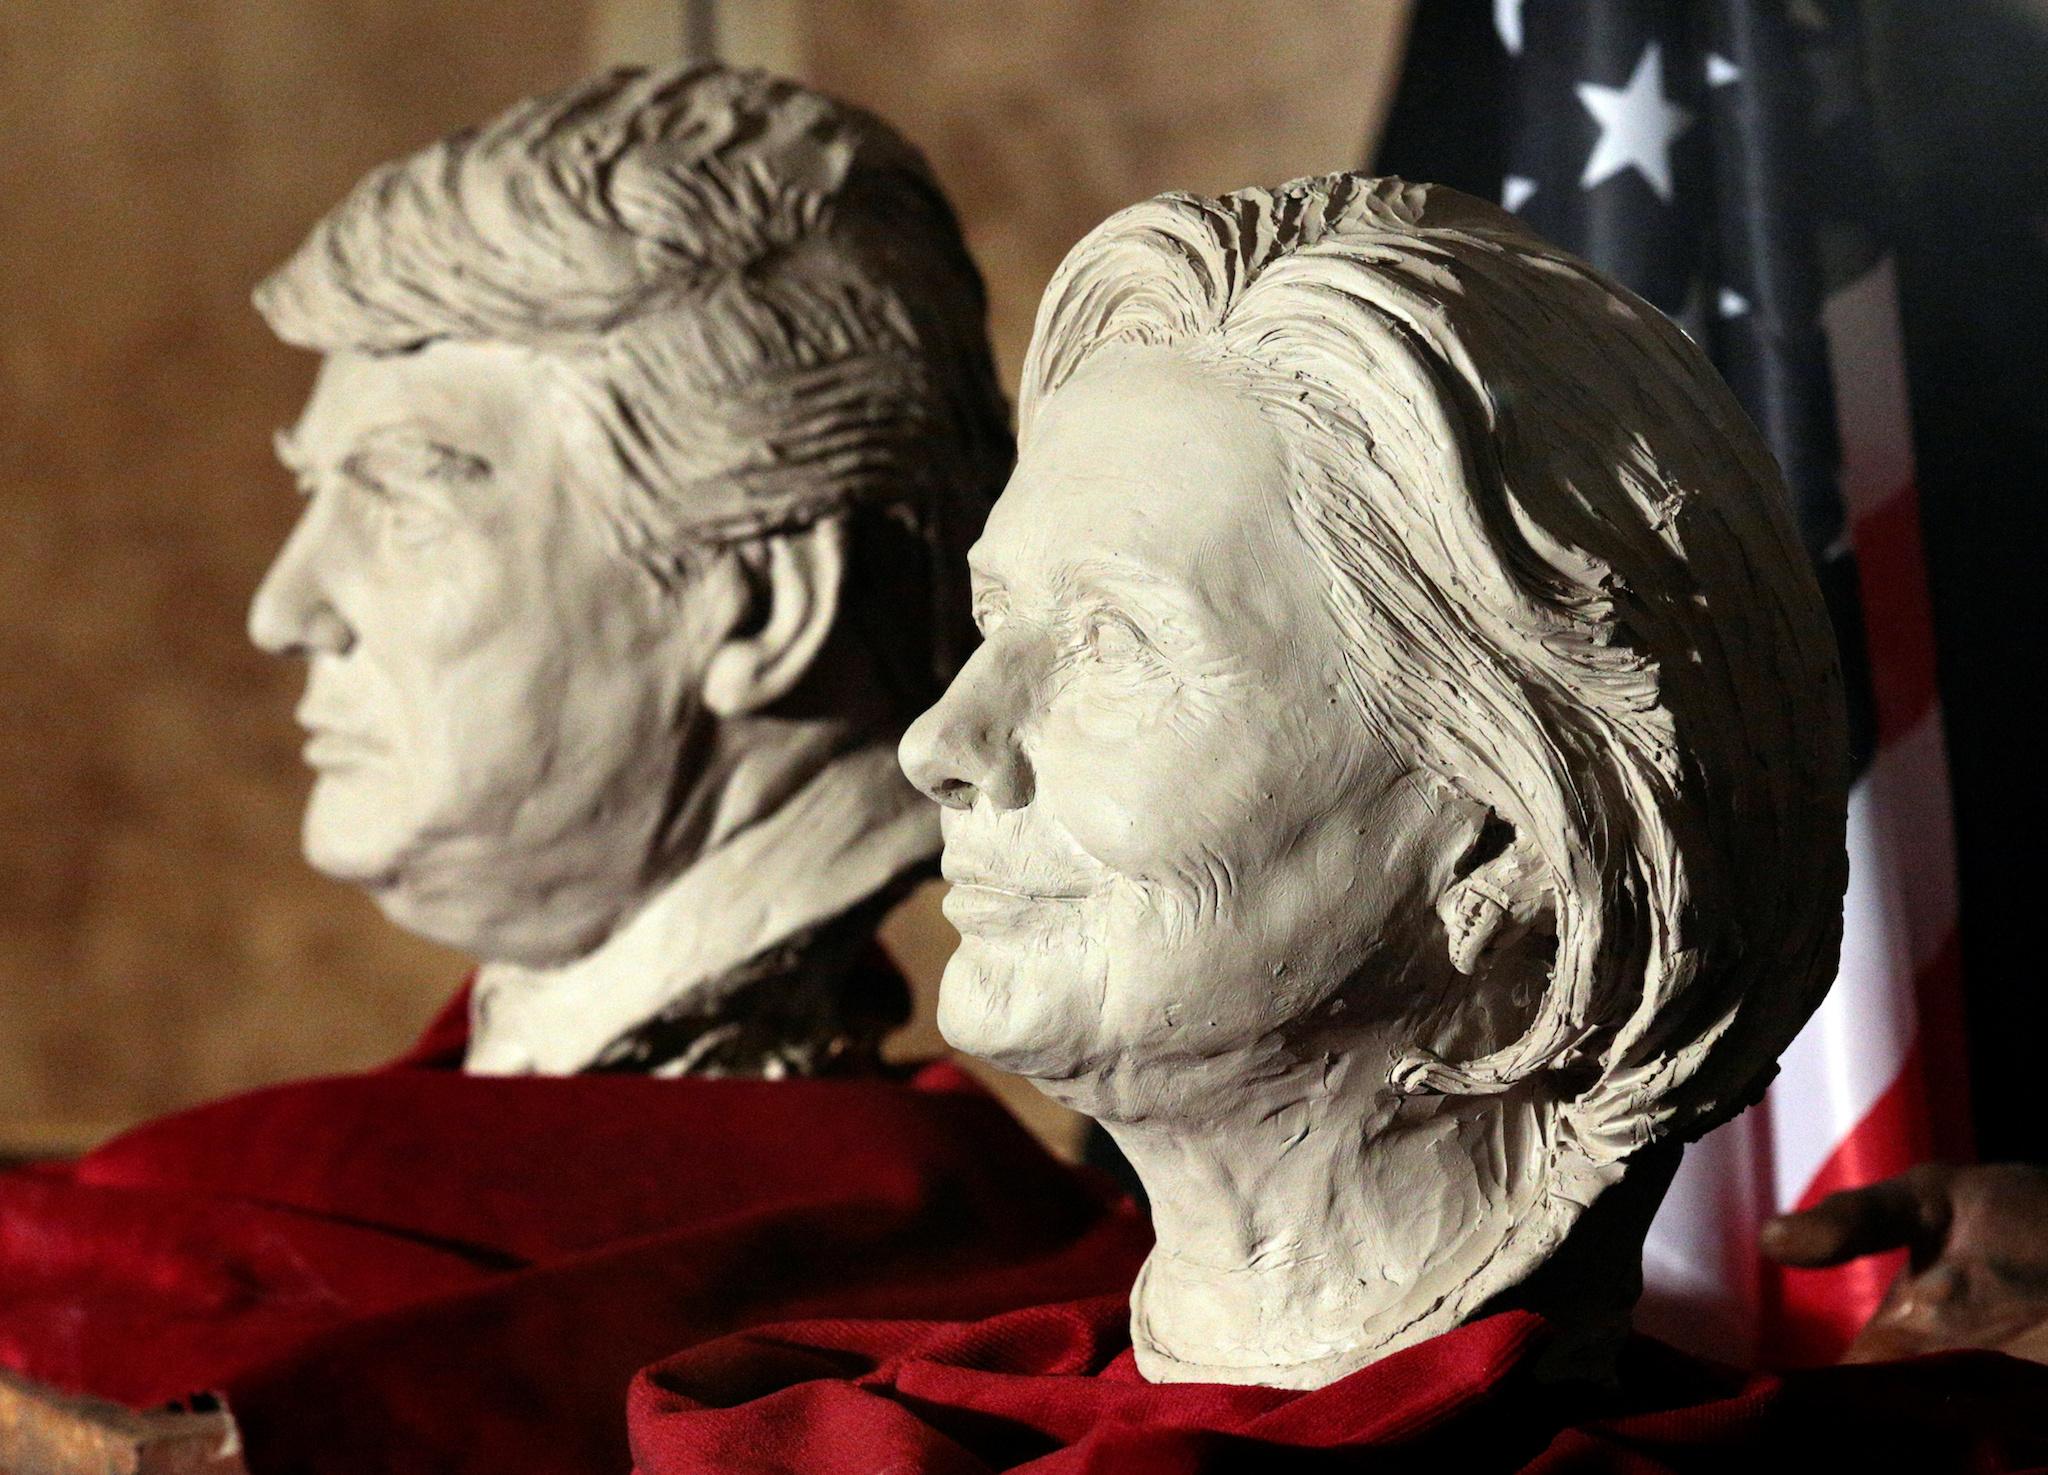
(1400, 793)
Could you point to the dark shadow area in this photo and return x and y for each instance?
(1962, 94)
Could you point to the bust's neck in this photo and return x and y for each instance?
(1326, 1223)
(846, 836)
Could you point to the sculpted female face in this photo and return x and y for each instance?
(1171, 833)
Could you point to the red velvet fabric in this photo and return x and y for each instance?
(417, 1270)
(1052, 1390)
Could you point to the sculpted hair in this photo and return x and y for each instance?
(756, 296)
(1564, 563)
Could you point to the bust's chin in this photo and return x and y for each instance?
(1023, 1017)
(489, 906)
(491, 924)
(354, 865)
(355, 831)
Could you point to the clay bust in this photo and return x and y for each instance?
(653, 417)
(1400, 791)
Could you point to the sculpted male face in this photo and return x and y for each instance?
(486, 682)
(1165, 836)
(656, 415)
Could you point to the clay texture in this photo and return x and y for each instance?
(1400, 791)
(653, 417)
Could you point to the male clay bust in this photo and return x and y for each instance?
(1400, 792)
(653, 417)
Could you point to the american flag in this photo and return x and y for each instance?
(1716, 156)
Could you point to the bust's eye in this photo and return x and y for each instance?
(1111, 638)
(403, 518)
(988, 615)
(413, 519)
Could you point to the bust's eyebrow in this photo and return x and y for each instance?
(1167, 611)
(1116, 573)
(405, 452)
(286, 446)
(1130, 583)
(1124, 579)
(979, 571)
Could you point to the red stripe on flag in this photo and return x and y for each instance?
(1944, 1048)
(1898, 619)
(1810, 1316)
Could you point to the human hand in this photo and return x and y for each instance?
(1977, 1276)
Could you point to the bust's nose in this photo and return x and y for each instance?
(293, 613)
(966, 745)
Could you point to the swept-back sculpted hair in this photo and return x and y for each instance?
(1565, 567)
(757, 295)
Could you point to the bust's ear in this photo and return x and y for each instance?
(1499, 894)
(796, 580)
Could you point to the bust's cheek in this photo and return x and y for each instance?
(472, 662)
(1146, 782)
(1111, 714)
(454, 595)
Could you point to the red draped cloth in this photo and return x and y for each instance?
(1052, 1390)
(419, 1270)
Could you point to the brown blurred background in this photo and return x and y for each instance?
(160, 939)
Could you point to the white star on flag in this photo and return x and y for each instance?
(1637, 126)
(1507, 20)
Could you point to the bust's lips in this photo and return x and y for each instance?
(1014, 876)
(974, 907)
(328, 747)
(988, 897)
(1004, 879)
(1017, 889)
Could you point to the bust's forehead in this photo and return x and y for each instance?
(1143, 454)
(483, 399)
(1156, 476)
